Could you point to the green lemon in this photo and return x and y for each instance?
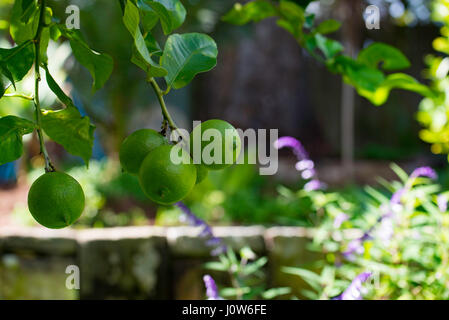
(137, 146)
(56, 200)
(219, 144)
(164, 180)
(201, 173)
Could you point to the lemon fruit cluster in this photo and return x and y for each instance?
(149, 155)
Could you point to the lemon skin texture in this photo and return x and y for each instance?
(137, 146)
(230, 147)
(56, 200)
(164, 181)
(201, 173)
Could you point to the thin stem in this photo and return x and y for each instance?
(236, 285)
(37, 39)
(18, 95)
(160, 97)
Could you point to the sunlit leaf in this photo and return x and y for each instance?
(217, 266)
(100, 65)
(186, 55)
(308, 276)
(18, 60)
(253, 11)
(28, 9)
(362, 77)
(292, 18)
(71, 130)
(53, 85)
(23, 23)
(141, 55)
(328, 26)
(389, 57)
(275, 292)
(12, 130)
(171, 14)
(396, 81)
(328, 46)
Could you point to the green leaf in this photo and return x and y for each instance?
(4, 84)
(308, 276)
(441, 44)
(53, 85)
(27, 3)
(328, 26)
(256, 265)
(23, 23)
(68, 128)
(309, 21)
(153, 49)
(141, 55)
(329, 47)
(186, 55)
(28, 8)
(391, 58)
(289, 27)
(214, 265)
(45, 39)
(12, 129)
(100, 65)
(362, 77)
(45, 36)
(171, 13)
(234, 292)
(292, 18)
(55, 33)
(15, 63)
(396, 81)
(253, 11)
(399, 172)
(292, 12)
(247, 253)
(4, 71)
(275, 292)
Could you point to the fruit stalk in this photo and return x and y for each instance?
(160, 97)
(37, 40)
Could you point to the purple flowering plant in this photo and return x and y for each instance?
(245, 273)
(387, 243)
(372, 240)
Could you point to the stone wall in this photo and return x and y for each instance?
(133, 262)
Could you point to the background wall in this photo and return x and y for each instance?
(134, 262)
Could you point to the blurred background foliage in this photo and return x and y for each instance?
(292, 89)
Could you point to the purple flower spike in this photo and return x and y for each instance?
(427, 172)
(290, 142)
(354, 291)
(211, 288)
(313, 185)
(396, 197)
(386, 229)
(206, 230)
(442, 202)
(304, 165)
(339, 219)
(354, 247)
(385, 224)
